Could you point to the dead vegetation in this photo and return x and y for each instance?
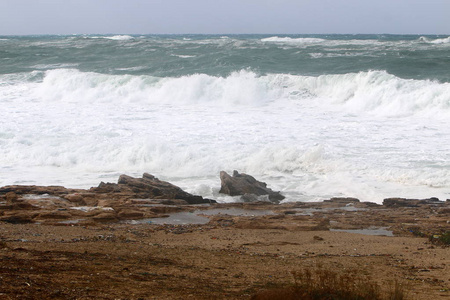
(324, 284)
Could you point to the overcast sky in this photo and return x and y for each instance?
(224, 16)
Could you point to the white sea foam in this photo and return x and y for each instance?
(374, 92)
(324, 42)
(119, 37)
(436, 41)
(183, 56)
(368, 134)
(296, 41)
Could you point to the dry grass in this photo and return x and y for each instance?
(322, 284)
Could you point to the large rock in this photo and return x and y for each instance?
(242, 184)
(148, 187)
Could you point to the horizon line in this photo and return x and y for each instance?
(131, 34)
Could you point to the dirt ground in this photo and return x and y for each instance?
(231, 257)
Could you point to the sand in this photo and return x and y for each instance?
(235, 255)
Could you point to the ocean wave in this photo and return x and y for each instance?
(308, 136)
(296, 41)
(376, 92)
(183, 56)
(119, 37)
(436, 41)
(54, 66)
(113, 37)
(381, 93)
(323, 42)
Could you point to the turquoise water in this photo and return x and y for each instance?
(405, 56)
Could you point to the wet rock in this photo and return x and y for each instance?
(242, 184)
(343, 200)
(254, 198)
(433, 201)
(400, 202)
(403, 202)
(148, 187)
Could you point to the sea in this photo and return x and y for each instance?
(313, 116)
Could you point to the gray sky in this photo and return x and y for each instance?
(224, 16)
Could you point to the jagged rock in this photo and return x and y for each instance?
(148, 187)
(28, 203)
(241, 184)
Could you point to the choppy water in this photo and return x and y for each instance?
(313, 116)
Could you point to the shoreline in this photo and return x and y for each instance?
(58, 243)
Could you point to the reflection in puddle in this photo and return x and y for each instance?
(181, 218)
(234, 211)
(71, 221)
(198, 216)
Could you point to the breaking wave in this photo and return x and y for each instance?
(295, 41)
(375, 92)
(436, 41)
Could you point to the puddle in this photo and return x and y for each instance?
(368, 231)
(234, 211)
(71, 221)
(311, 211)
(44, 197)
(181, 218)
(197, 217)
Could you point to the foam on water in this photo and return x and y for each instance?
(373, 92)
(295, 41)
(114, 37)
(435, 41)
(369, 134)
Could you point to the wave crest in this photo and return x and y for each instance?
(295, 41)
(436, 41)
(374, 91)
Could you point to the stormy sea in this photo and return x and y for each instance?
(314, 116)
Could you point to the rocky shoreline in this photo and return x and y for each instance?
(151, 240)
